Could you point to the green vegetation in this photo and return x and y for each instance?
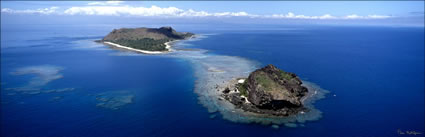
(286, 75)
(150, 39)
(265, 81)
(144, 44)
(242, 89)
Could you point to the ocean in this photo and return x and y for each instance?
(55, 81)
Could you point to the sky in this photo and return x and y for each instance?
(401, 13)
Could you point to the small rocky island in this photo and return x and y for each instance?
(145, 40)
(268, 90)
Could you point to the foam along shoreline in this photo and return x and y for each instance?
(167, 46)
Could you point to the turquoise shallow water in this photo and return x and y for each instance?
(375, 76)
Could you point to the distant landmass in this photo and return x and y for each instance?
(146, 39)
(268, 90)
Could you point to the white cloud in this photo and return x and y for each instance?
(46, 11)
(123, 10)
(291, 15)
(146, 11)
(354, 16)
(113, 8)
(106, 3)
(237, 14)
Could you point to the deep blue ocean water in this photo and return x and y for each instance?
(375, 76)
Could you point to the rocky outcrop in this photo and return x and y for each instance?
(272, 88)
(269, 90)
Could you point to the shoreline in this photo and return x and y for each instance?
(167, 46)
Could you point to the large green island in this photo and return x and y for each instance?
(144, 40)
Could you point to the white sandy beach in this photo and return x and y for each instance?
(167, 46)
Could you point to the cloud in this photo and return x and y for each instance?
(45, 11)
(146, 11)
(124, 10)
(106, 3)
(354, 16)
(291, 15)
(113, 8)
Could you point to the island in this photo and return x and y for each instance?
(144, 40)
(269, 91)
(266, 91)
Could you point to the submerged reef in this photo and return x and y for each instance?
(38, 81)
(114, 99)
(43, 74)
